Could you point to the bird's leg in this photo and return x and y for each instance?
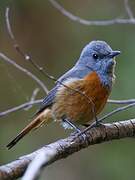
(90, 126)
(97, 122)
(83, 135)
(71, 124)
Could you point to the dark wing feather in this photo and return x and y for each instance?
(48, 100)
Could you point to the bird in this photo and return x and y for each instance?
(81, 93)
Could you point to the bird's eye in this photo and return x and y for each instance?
(95, 56)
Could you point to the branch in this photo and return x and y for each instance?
(16, 45)
(22, 106)
(34, 168)
(72, 17)
(128, 101)
(115, 111)
(32, 99)
(65, 147)
(128, 9)
(28, 73)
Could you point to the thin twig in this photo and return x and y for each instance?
(8, 24)
(128, 101)
(28, 73)
(11, 35)
(82, 21)
(22, 106)
(128, 9)
(32, 99)
(117, 110)
(65, 147)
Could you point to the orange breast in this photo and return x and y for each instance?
(76, 106)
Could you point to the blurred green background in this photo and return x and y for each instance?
(55, 42)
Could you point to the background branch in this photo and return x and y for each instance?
(34, 168)
(32, 99)
(28, 73)
(72, 17)
(127, 101)
(128, 9)
(65, 147)
(22, 106)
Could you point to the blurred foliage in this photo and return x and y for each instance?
(55, 43)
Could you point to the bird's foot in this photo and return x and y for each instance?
(77, 129)
(98, 123)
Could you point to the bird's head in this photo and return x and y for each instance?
(98, 56)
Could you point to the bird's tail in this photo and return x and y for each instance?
(43, 117)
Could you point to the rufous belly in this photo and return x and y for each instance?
(76, 106)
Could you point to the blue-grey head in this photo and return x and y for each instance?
(98, 56)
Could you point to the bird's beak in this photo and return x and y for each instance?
(114, 53)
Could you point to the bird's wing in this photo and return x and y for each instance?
(75, 72)
(48, 100)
